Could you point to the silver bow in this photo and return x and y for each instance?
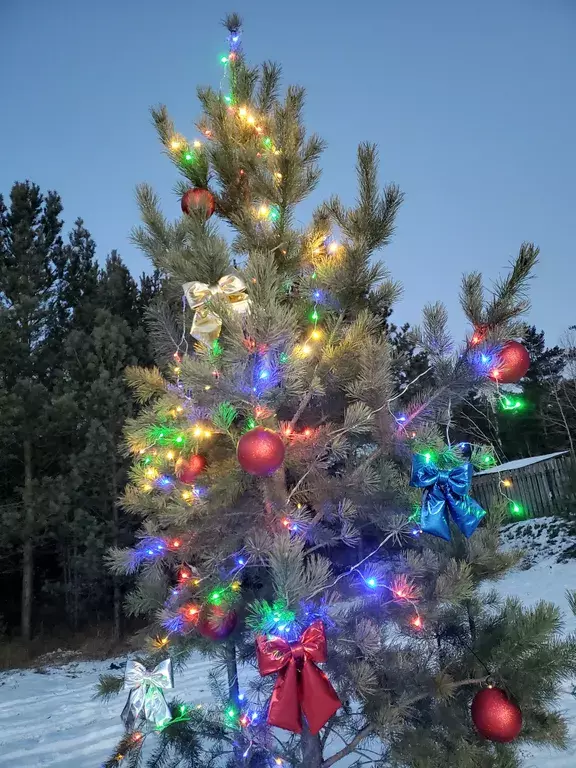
(146, 697)
(206, 324)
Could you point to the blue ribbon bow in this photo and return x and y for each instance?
(445, 491)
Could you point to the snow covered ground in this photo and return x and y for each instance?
(50, 718)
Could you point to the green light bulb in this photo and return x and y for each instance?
(428, 457)
(314, 316)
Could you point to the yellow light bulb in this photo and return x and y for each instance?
(251, 119)
(151, 473)
(146, 488)
(316, 334)
(306, 349)
(507, 483)
(207, 433)
(278, 175)
(186, 495)
(197, 144)
(179, 409)
(235, 586)
(263, 210)
(207, 387)
(175, 144)
(242, 112)
(177, 369)
(142, 450)
(333, 247)
(170, 455)
(197, 432)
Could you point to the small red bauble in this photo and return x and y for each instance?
(513, 363)
(261, 451)
(216, 622)
(189, 470)
(495, 716)
(198, 199)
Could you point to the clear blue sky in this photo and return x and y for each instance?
(472, 103)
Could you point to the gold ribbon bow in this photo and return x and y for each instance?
(206, 325)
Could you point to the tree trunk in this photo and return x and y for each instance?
(117, 628)
(27, 548)
(117, 596)
(232, 670)
(75, 589)
(311, 749)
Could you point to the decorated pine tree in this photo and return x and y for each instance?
(306, 523)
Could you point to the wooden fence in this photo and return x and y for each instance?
(542, 489)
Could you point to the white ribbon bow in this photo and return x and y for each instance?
(146, 692)
(206, 325)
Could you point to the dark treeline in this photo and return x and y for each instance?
(69, 325)
(68, 328)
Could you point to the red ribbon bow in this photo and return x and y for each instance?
(301, 686)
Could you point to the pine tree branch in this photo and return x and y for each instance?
(370, 728)
(349, 748)
(308, 395)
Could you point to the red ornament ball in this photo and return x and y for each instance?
(495, 716)
(198, 199)
(188, 470)
(261, 451)
(216, 622)
(513, 363)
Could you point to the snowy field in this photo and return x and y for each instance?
(50, 718)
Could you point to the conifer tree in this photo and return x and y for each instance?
(30, 251)
(271, 470)
(67, 331)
